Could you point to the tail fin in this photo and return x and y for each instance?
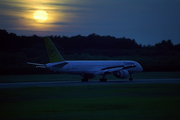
(53, 53)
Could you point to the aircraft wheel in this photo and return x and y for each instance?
(103, 80)
(84, 79)
(130, 79)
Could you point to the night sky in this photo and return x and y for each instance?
(146, 21)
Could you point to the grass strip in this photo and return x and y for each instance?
(148, 101)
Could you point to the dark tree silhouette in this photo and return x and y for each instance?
(15, 51)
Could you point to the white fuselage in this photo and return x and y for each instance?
(90, 67)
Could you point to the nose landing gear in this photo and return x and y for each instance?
(130, 79)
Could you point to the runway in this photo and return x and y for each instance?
(91, 82)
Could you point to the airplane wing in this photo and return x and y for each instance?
(109, 70)
(37, 65)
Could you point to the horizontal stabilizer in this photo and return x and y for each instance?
(34, 63)
(37, 65)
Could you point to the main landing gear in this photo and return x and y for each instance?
(103, 79)
(84, 79)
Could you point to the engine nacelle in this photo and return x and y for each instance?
(122, 74)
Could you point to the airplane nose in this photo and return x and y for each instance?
(141, 69)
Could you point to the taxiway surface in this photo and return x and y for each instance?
(91, 82)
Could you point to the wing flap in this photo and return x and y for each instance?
(112, 69)
(107, 71)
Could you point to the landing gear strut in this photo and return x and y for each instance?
(103, 79)
(130, 79)
(84, 79)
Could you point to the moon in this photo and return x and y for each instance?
(40, 16)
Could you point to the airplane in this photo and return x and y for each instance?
(88, 68)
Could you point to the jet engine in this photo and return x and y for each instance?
(122, 74)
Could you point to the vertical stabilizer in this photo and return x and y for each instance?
(53, 53)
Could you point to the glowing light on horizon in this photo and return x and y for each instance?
(48, 15)
(40, 15)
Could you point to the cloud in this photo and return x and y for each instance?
(143, 20)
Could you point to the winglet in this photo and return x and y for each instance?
(53, 53)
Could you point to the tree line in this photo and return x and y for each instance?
(15, 51)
